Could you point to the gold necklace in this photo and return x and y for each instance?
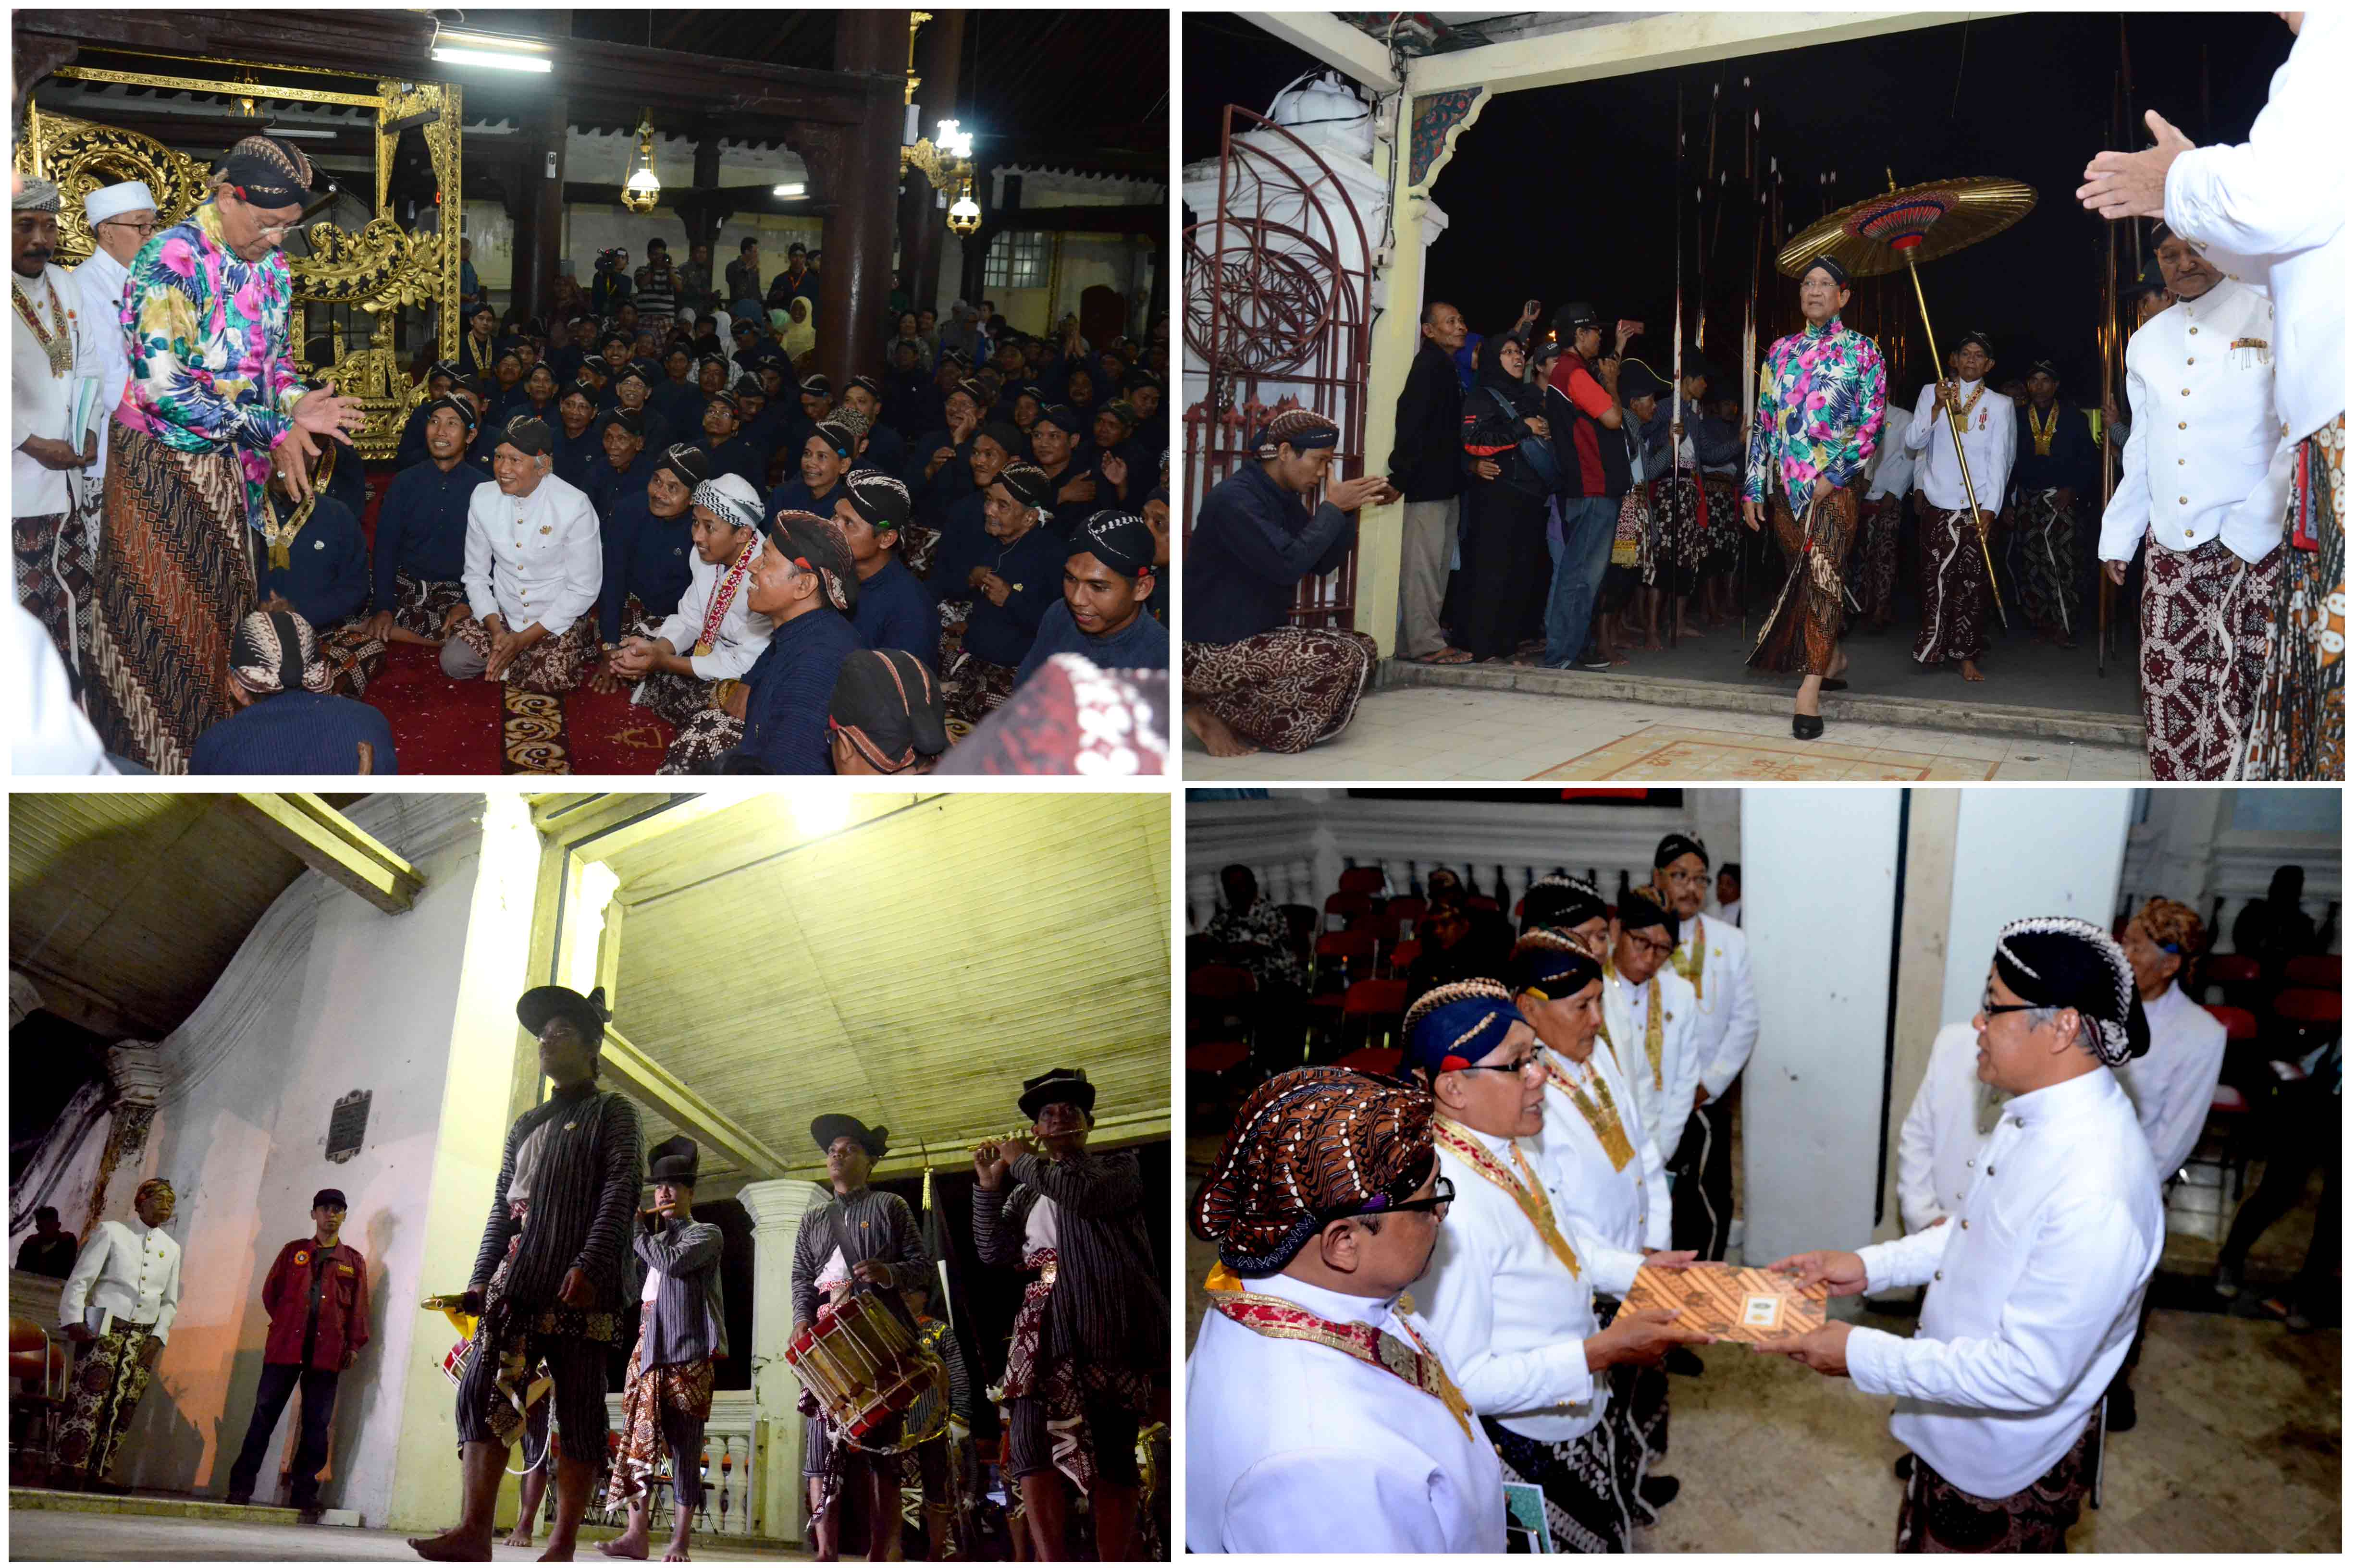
(57, 342)
(1689, 965)
(1526, 1190)
(279, 535)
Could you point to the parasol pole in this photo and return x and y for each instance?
(1956, 437)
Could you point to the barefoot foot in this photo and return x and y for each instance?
(558, 1554)
(518, 1537)
(628, 1545)
(455, 1545)
(1970, 670)
(1214, 733)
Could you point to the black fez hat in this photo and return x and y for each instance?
(676, 1160)
(1637, 911)
(328, 1198)
(1831, 267)
(1676, 844)
(544, 1003)
(1061, 417)
(1981, 337)
(1062, 1086)
(814, 385)
(2044, 367)
(832, 1126)
(531, 436)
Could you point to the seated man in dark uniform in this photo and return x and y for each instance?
(423, 532)
(286, 721)
(323, 574)
(1105, 594)
(895, 610)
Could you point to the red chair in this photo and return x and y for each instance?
(2227, 970)
(1404, 909)
(1402, 957)
(1487, 904)
(1214, 999)
(2315, 1016)
(1380, 1059)
(1212, 1072)
(2240, 1024)
(1365, 880)
(1350, 906)
(2322, 971)
(1376, 928)
(1367, 1000)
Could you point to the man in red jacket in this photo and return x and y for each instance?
(318, 1297)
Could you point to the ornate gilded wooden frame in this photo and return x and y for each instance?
(379, 268)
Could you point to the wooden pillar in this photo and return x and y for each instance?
(848, 336)
(702, 221)
(939, 66)
(542, 210)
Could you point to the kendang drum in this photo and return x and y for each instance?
(866, 1369)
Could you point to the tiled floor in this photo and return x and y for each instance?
(1440, 734)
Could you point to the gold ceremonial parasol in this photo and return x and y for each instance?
(1900, 228)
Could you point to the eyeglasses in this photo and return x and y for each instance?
(1660, 950)
(1523, 1065)
(1439, 1198)
(1682, 879)
(143, 227)
(1989, 1009)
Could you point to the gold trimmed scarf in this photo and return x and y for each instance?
(1526, 1189)
(1275, 1318)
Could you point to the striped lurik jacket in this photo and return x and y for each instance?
(866, 1224)
(581, 1210)
(1106, 1308)
(686, 1322)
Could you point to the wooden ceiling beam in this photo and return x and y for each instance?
(307, 827)
(643, 1079)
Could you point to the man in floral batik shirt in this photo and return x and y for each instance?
(1820, 417)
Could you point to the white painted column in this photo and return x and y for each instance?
(2023, 853)
(776, 1206)
(1825, 865)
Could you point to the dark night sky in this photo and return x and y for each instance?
(2020, 98)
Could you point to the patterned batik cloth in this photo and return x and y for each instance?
(1724, 499)
(974, 686)
(1799, 635)
(175, 574)
(676, 698)
(552, 667)
(1636, 1415)
(353, 656)
(53, 577)
(514, 1343)
(2047, 530)
(110, 1374)
(917, 543)
(1283, 690)
(421, 607)
(1820, 409)
(1580, 1477)
(1936, 1516)
(665, 1410)
(1678, 533)
(2205, 622)
(703, 739)
(1956, 583)
(2298, 731)
(1877, 559)
(1057, 1383)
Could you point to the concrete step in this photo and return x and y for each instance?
(1624, 684)
(155, 1505)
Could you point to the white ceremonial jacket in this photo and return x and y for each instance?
(127, 1267)
(1894, 470)
(39, 402)
(1663, 1110)
(2035, 1291)
(100, 283)
(2171, 1084)
(738, 641)
(2267, 202)
(2202, 429)
(1730, 1008)
(1940, 1138)
(1619, 1215)
(1989, 450)
(536, 559)
(1293, 1447)
(1505, 1314)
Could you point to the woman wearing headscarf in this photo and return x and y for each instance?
(285, 719)
(1253, 679)
(1505, 515)
(795, 328)
(887, 714)
(207, 312)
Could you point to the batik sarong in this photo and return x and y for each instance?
(1800, 633)
(552, 667)
(517, 1344)
(1725, 505)
(1636, 1418)
(1956, 587)
(701, 740)
(1877, 559)
(2298, 731)
(917, 543)
(666, 1413)
(354, 657)
(974, 686)
(1283, 690)
(1937, 1517)
(1061, 1387)
(53, 576)
(175, 572)
(110, 1374)
(1580, 1480)
(676, 698)
(422, 605)
(2204, 625)
(2047, 529)
(1677, 533)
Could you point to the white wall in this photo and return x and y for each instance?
(2206, 846)
(1822, 875)
(2023, 853)
(328, 995)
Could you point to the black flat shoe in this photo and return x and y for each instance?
(1905, 1463)
(1660, 1490)
(1681, 1362)
(1807, 726)
(1833, 686)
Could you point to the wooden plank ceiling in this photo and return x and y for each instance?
(124, 909)
(911, 969)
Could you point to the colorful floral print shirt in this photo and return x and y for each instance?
(207, 337)
(1821, 398)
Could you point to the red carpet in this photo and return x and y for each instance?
(442, 725)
